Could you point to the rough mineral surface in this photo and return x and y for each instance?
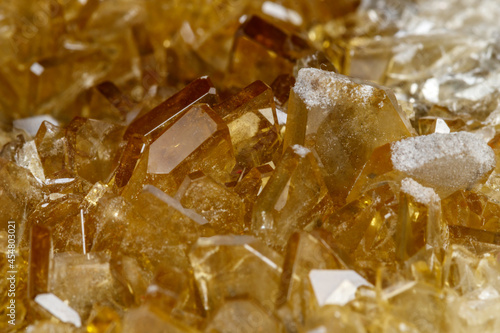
(445, 161)
(241, 166)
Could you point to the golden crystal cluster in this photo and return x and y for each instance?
(234, 166)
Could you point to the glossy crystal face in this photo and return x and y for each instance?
(233, 166)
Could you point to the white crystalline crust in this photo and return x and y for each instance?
(300, 150)
(422, 194)
(455, 160)
(335, 286)
(58, 309)
(317, 88)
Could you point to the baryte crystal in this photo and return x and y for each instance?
(93, 148)
(241, 315)
(294, 196)
(470, 217)
(154, 320)
(20, 193)
(365, 229)
(343, 120)
(136, 204)
(152, 124)
(174, 289)
(28, 158)
(39, 262)
(377, 170)
(107, 102)
(419, 305)
(52, 148)
(262, 51)
(305, 252)
(419, 219)
(63, 214)
(103, 319)
(197, 140)
(253, 124)
(222, 208)
(429, 125)
(94, 275)
(250, 186)
(174, 146)
(155, 222)
(232, 266)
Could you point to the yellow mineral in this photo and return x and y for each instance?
(222, 208)
(253, 125)
(233, 266)
(241, 166)
(242, 315)
(294, 196)
(304, 253)
(343, 120)
(198, 139)
(262, 51)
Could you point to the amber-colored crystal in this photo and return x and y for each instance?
(39, 262)
(419, 222)
(94, 148)
(103, 320)
(250, 186)
(253, 124)
(304, 252)
(174, 289)
(294, 196)
(243, 315)
(343, 121)
(128, 160)
(366, 228)
(262, 51)
(429, 125)
(232, 266)
(108, 102)
(152, 319)
(197, 140)
(52, 148)
(222, 208)
(153, 124)
(93, 273)
(207, 166)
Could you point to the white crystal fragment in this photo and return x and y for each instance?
(175, 204)
(397, 289)
(422, 194)
(58, 309)
(281, 117)
(441, 127)
(281, 13)
(430, 90)
(449, 161)
(268, 114)
(335, 286)
(32, 124)
(37, 69)
(300, 150)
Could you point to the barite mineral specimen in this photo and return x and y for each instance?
(234, 166)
